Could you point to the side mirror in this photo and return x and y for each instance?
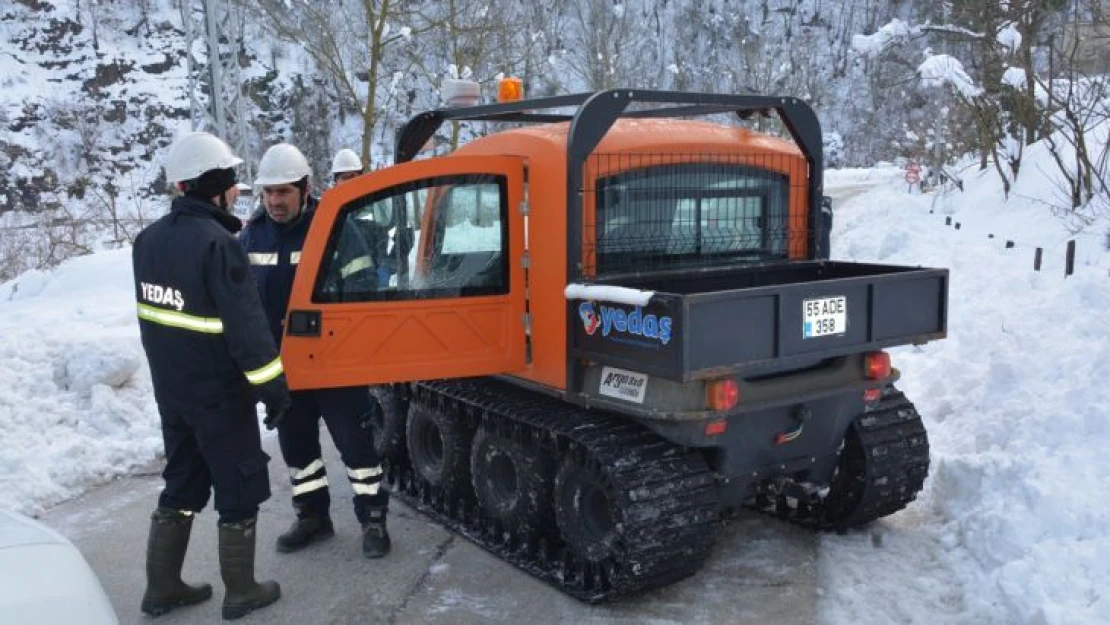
(824, 245)
(826, 205)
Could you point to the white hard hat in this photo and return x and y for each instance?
(195, 153)
(282, 164)
(345, 160)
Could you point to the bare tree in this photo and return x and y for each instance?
(607, 43)
(358, 46)
(478, 39)
(1077, 99)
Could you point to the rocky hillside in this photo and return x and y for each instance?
(92, 91)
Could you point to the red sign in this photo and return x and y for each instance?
(913, 173)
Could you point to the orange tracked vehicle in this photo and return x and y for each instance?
(597, 333)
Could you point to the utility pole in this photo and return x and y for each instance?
(216, 99)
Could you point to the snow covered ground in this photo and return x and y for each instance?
(75, 407)
(1012, 526)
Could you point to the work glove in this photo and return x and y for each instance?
(275, 395)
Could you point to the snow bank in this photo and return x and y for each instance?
(75, 405)
(1012, 525)
(859, 176)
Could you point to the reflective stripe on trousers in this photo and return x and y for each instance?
(365, 481)
(311, 478)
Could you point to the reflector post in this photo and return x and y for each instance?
(722, 394)
(716, 428)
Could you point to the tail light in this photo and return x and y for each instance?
(878, 365)
(716, 428)
(722, 394)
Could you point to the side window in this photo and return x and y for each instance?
(734, 222)
(432, 238)
(689, 215)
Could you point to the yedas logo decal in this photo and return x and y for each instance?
(589, 318)
(164, 295)
(619, 322)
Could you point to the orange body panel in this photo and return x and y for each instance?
(662, 142)
(395, 341)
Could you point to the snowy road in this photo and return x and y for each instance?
(762, 571)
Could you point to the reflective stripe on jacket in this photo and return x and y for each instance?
(274, 251)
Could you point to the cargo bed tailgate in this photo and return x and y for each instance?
(707, 325)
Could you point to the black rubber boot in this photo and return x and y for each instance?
(165, 553)
(237, 541)
(375, 538)
(308, 528)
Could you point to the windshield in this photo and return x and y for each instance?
(690, 215)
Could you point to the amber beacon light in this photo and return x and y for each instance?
(510, 90)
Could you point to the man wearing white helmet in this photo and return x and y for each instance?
(201, 325)
(273, 240)
(345, 166)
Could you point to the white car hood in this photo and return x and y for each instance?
(44, 579)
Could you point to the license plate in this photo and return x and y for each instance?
(623, 384)
(824, 316)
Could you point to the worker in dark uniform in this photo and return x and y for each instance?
(211, 359)
(345, 166)
(273, 239)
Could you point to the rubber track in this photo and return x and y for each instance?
(666, 494)
(896, 453)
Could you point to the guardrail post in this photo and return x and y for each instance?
(1037, 260)
(1069, 264)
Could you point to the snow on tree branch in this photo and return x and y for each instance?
(941, 69)
(895, 32)
(898, 32)
(1010, 38)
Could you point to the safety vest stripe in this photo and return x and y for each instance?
(301, 489)
(258, 258)
(363, 474)
(307, 472)
(174, 319)
(265, 373)
(295, 258)
(365, 489)
(358, 264)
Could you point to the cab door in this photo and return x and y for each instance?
(412, 272)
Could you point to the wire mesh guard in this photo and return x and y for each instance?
(671, 211)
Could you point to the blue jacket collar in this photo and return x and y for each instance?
(259, 216)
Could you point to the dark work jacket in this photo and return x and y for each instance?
(274, 251)
(202, 325)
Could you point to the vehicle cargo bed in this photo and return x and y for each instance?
(706, 324)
